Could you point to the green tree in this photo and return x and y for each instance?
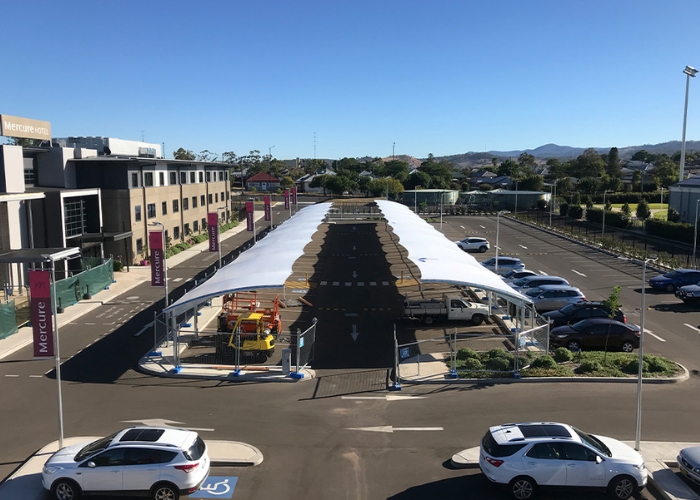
(508, 167)
(527, 161)
(556, 168)
(25, 143)
(286, 182)
(397, 169)
(612, 167)
(531, 182)
(643, 155)
(338, 184)
(610, 184)
(637, 180)
(184, 154)
(626, 209)
(612, 303)
(588, 164)
(207, 156)
(229, 157)
(643, 211)
(588, 185)
(418, 178)
(666, 173)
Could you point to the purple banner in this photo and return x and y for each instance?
(294, 196)
(267, 208)
(155, 243)
(286, 199)
(249, 215)
(213, 229)
(42, 324)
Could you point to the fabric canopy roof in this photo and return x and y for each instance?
(439, 259)
(266, 265)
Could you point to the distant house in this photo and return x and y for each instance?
(263, 181)
(304, 183)
(500, 181)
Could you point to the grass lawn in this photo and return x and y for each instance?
(658, 210)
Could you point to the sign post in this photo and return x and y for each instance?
(294, 198)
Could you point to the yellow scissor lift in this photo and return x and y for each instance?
(256, 328)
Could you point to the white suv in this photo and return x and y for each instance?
(163, 462)
(527, 456)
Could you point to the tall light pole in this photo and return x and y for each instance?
(165, 260)
(689, 71)
(603, 234)
(516, 197)
(218, 234)
(498, 225)
(269, 151)
(638, 435)
(695, 240)
(553, 189)
(393, 149)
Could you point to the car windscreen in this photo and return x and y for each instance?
(673, 274)
(498, 450)
(593, 442)
(534, 292)
(94, 447)
(582, 325)
(521, 281)
(510, 273)
(568, 309)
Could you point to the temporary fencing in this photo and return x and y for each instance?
(8, 320)
(97, 275)
(303, 346)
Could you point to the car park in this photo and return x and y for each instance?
(160, 462)
(526, 457)
(523, 284)
(553, 297)
(689, 463)
(473, 244)
(516, 274)
(677, 278)
(574, 313)
(505, 264)
(595, 333)
(689, 294)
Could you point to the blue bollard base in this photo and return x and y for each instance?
(177, 369)
(296, 375)
(453, 374)
(395, 387)
(155, 354)
(235, 373)
(199, 313)
(516, 375)
(185, 325)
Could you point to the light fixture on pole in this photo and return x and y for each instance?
(498, 224)
(604, 210)
(689, 71)
(695, 240)
(218, 234)
(640, 363)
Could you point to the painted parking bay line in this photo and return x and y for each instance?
(387, 397)
(653, 335)
(580, 274)
(391, 429)
(692, 327)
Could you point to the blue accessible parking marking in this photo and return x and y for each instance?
(216, 487)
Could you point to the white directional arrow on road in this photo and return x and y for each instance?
(354, 247)
(145, 327)
(354, 333)
(386, 397)
(390, 429)
(162, 422)
(354, 274)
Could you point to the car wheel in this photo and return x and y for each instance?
(165, 491)
(482, 249)
(522, 488)
(65, 489)
(573, 345)
(428, 320)
(477, 319)
(627, 346)
(622, 487)
(670, 288)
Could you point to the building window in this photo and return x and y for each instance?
(176, 232)
(210, 196)
(151, 207)
(148, 179)
(161, 178)
(137, 213)
(208, 176)
(216, 197)
(204, 224)
(222, 196)
(226, 175)
(134, 180)
(139, 245)
(164, 208)
(221, 175)
(194, 202)
(201, 176)
(166, 239)
(186, 230)
(202, 200)
(183, 177)
(226, 195)
(185, 204)
(192, 177)
(173, 178)
(195, 225)
(176, 209)
(76, 218)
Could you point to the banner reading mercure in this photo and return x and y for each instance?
(155, 243)
(42, 324)
(294, 196)
(249, 215)
(213, 229)
(267, 208)
(286, 199)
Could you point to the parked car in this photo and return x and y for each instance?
(574, 313)
(595, 332)
(689, 294)
(552, 297)
(473, 244)
(505, 264)
(516, 274)
(162, 462)
(675, 279)
(689, 463)
(523, 284)
(529, 456)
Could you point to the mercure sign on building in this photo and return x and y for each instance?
(25, 128)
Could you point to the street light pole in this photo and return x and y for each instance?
(604, 205)
(552, 190)
(269, 151)
(695, 240)
(218, 234)
(498, 225)
(689, 71)
(516, 198)
(638, 434)
(393, 149)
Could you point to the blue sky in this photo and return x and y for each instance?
(441, 77)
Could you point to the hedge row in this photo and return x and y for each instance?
(678, 231)
(614, 219)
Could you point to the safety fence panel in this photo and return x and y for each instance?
(97, 275)
(67, 292)
(8, 320)
(305, 347)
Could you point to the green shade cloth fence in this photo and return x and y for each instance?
(8, 321)
(96, 276)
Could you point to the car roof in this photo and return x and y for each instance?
(158, 436)
(542, 277)
(558, 287)
(603, 320)
(532, 431)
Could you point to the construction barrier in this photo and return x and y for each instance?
(8, 320)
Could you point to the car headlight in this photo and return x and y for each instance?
(561, 336)
(51, 469)
(641, 466)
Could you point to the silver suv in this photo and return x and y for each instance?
(163, 462)
(552, 297)
(505, 264)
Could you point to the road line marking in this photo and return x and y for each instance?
(391, 429)
(542, 272)
(12, 376)
(482, 227)
(387, 397)
(580, 274)
(177, 279)
(145, 327)
(523, 246)
(653, 335)
(692, 327)
(36, 376)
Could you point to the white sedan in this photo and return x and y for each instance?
(473, 244)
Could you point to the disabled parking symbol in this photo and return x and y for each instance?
(216, 487)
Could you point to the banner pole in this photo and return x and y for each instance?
(58, 356)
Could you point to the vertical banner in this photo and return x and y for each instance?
(155, 244)
(42, 324)
(267, 208)
(213, 231)
(249, 215)
(294, 196)
(286, 199)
